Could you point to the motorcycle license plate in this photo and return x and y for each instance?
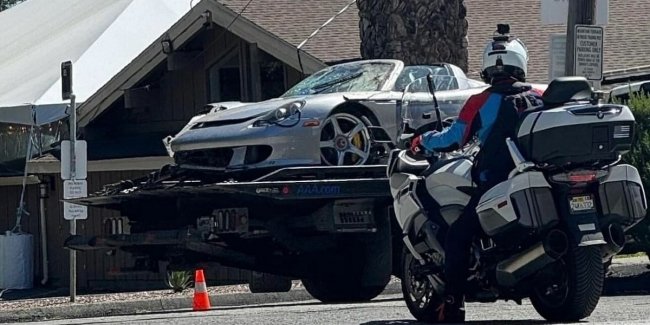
(582, 203)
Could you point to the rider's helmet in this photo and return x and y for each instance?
(504, 57)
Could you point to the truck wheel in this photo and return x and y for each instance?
(264, 282)
(335, 290)
(574, 294)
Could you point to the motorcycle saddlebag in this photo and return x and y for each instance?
(622, 197)
(576, 134)
(517, 209)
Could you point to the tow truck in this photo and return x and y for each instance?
(327, 226)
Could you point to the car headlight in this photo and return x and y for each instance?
(289, 111)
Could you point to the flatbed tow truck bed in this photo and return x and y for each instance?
(293, 183)
(329, 226)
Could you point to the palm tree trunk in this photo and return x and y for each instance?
(414, 31)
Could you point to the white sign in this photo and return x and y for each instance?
(557, 58)
(81, 159)
(589, 52)
(75, 189)
(556, 12)
(72, 190)
(74, 211)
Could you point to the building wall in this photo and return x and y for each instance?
(97, 270)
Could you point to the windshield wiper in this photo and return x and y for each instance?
(327, 85)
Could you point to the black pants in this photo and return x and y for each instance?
(458, 242)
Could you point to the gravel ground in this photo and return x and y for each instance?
(113, 297)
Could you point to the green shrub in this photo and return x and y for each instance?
(178, 281)
(639, 157)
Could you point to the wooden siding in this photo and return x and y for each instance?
(96, 269)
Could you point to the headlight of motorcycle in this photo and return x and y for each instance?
(286, 112)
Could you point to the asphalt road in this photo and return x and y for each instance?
(386, 310)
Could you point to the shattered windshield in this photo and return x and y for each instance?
(350, 77)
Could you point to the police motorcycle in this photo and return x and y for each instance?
(547, 230)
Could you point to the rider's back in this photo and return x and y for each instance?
(495, 120)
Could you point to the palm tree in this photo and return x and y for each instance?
(415, 31)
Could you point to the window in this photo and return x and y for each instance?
(271, 76)
(224, 79)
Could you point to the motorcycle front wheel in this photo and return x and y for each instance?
(573, 286)
(421, 299)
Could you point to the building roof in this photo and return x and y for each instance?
(294, 21)
(627, 36)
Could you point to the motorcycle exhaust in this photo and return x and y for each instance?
(518, 267)
(615, 237)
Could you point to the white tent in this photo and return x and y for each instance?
(100, 37)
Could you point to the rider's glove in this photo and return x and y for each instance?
(416, 145)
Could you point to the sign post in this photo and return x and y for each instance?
(73, 171)
(557, 56)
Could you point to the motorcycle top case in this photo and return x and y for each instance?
(576, 134)
(518, 208)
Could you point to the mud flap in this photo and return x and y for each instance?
(584, 229)
(378, 249)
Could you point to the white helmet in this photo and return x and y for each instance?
(504, 56)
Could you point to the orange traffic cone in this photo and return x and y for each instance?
(201, 298)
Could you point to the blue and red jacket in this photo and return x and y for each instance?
(493, 116)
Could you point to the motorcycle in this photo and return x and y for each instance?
(548, 229)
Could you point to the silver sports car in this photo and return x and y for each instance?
(322, 120)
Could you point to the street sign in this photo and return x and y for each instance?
(74, 211)
(589, 52)
(557, 58)
(73, 189)
(555, 12)
(81, 160)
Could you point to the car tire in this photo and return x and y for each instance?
(345, 140)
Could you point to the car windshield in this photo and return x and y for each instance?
(349, 77)
(441, 77)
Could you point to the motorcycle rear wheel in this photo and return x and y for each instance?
(421, 299)
(575, 294)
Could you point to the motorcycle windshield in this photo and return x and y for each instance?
(417, 111)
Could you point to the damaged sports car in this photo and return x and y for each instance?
(326, 119)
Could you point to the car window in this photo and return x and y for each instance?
(347, 77)
(441, 77)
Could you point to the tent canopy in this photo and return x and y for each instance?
(100, 38)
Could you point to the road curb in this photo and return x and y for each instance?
(121, 308)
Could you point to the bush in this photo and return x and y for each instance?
(639, 157)
(178, 281)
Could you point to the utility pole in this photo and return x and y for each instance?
(581, 12)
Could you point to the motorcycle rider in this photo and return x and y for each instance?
(492, 116)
